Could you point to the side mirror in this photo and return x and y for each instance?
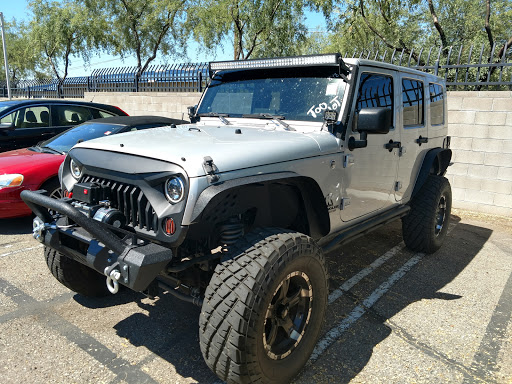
(192, 113)
(370, 121)
(374, 120)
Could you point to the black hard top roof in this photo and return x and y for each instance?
(130, 121)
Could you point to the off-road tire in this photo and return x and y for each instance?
(235, 314)
(75, 276)
(420, 227)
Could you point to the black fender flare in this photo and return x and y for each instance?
(435, 162)
(311, 194)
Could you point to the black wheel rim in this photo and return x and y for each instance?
(288, 315)
(56, 193)
(440, 215)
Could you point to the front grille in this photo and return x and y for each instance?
(130, 200)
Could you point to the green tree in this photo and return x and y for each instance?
(60, 30)
(256, 27)
(24, 61)
(142, 28)
(412, 24)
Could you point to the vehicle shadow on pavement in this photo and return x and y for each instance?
(351, 352)
(170, 330)
(16, 226)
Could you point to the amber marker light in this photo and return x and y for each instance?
(169, 226)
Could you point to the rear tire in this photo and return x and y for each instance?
(264, 307)
(75, 276)
(425, 227)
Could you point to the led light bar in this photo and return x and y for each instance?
(279, 62)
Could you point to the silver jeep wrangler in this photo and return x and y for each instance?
(284, 159)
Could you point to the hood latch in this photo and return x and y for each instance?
(210, 168)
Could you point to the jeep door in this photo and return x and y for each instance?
(370, 173)
(412, 125)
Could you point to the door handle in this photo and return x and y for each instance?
(422, 140)
(392, 144)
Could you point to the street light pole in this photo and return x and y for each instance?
(5, 56)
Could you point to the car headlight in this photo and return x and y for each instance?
(14, 180)
(174, 189)
(76, 170)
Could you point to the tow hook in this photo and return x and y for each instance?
(39, 227)
(112, 280)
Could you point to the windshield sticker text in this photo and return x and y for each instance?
(334, 104)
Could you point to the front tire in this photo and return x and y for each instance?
(425, 227)
(264, 308)
(75, 276)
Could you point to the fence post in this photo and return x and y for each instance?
(200, 77)
(436, 67)
(136, 81)
(28, 88)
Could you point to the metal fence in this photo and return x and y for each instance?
(470, 68)
(188, 77)
(464, 68)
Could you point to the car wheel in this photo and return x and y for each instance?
(264, 308)
(53, 188)
(75, 276)
(425, 227)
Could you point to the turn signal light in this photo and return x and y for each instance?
(169, 226)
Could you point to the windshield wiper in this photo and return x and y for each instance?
(270, 116)
(221, 116)
(50, 150)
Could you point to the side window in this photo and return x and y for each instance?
(412, 100)
(105, 114)
(375, 90)
(71, 114)
(436, 104)
(31, 117)
(97, 113)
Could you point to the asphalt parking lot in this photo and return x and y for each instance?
(393, 317)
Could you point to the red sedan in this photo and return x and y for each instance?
(37, 167)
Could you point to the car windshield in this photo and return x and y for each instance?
(286, 93)
(88, 131)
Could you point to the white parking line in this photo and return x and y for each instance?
(349, 284)
(331, 336)
(334, 333)
(20, 250)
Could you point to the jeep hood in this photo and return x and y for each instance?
(187, 145)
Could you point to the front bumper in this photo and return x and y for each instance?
(94, 245)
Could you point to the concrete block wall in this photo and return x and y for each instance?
(168, 104)
(480, 124)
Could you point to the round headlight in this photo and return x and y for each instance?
(174, 189)
(76, 170)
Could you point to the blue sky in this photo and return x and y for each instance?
(18, 9)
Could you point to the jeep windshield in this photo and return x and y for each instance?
(296, 93)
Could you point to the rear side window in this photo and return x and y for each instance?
(105, 114)
(412, 99)
(71, 114)
(436, 104)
